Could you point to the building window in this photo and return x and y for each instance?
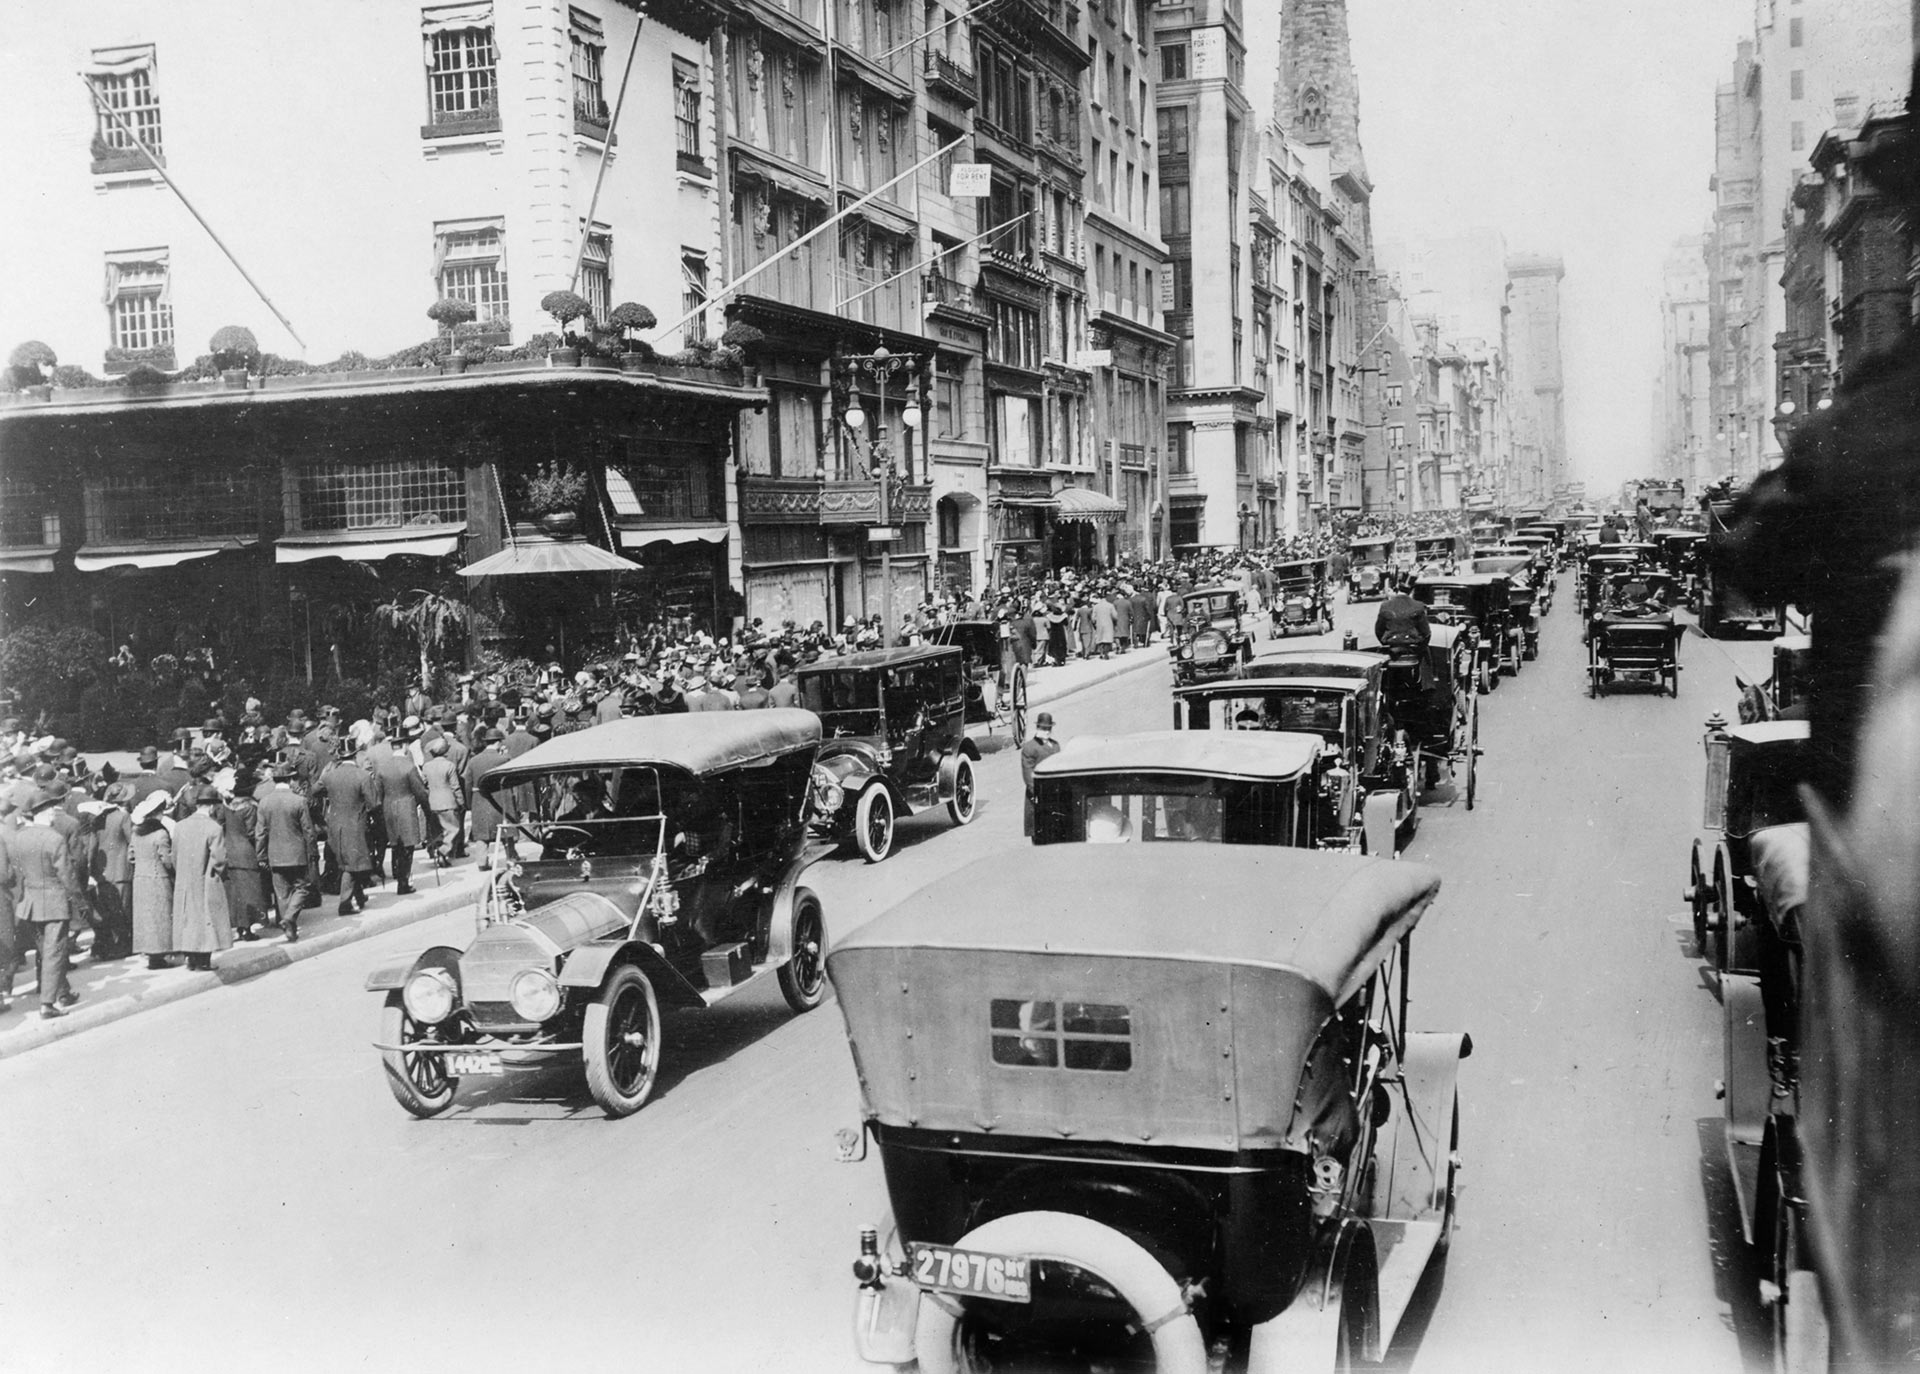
(1176, 211)
(1009, 208)
(589, 47)
(1797, 136)
(596, 272)
(462, 85)
(359, 496)
(470, 265)
(152, 507)
(949, 398)
(775, 90)
(1183, 283)
(693, 293)
(1173, 131)
(1014, 338)
(686, 107)
(139, 309)
(1797, 85)
(1394, 393)
(1794, 33)
(1179, 450)
(123, 79)
(1173, 62)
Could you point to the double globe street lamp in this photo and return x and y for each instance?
(880, 365)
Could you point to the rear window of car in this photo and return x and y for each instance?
(1032, 1033)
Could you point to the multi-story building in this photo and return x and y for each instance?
(1683, 415)
(1734, 283)
(1533, 337)
(1212, 406)
(479, 161)
(1128, 195)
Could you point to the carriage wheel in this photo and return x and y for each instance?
(1701, 902)
(1019, 701)
(1673, 679)
(1726, 917)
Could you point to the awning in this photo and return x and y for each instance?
(99, 557)
(370, 546)
(26, 560)
(548, 556)
(1080, 503)
(673, 534)
(747, 165)
(1036, 502)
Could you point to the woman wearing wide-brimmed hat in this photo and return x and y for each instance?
(201, 925)
(152, 853)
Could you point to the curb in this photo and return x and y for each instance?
(242, 970)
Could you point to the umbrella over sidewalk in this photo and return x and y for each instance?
(555, 556)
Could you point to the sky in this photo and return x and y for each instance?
(1577, 127)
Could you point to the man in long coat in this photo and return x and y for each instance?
(1103, 626)
(486, 816)
(48, 886)
(283, 837)
(113, 875)
(403, 795)
(1040, 746)
(350, 796)
(1140, 608)
(9, 939)
(201, 925)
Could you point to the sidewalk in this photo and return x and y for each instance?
(108, 992)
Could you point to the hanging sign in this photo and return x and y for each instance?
(970, 179)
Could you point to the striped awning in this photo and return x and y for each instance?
(26, 560)
(370, 546)
(548, 556)
(98, 558)
(1079, 503)
(639, 536)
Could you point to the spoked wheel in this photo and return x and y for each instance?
(621, 1042)
(803, 978)
(1484, 681)
(1452, 1185)
(1018, 697)
(1672, 675)
(1726, 917)
(1701, 903)
(960, 807)
(418, 1082)
(873, 824)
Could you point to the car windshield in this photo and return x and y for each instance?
(1447, 598)
(1308, 710)
(1124, 808)
(848, 703)
(592, 811)
(1211, 606)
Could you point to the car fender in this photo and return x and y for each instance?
(950, 767)
(1307, 1334)
(1380, 824)
(589, 964)
(1411, 1149)
(780, 913)
(396, 975)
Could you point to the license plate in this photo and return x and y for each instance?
(1004, 1278)
(471, 1062)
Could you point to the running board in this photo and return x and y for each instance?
(1403, 1250)
(712, 995)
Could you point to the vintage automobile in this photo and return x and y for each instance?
(1438, 710)
(1785, 693)
(1484, 602)
(1549, 530)
(1752, 779)
(1724, 609)
(1438, 552)
(894, 724)
(1184, 785)
(1595, 571)
(646, 865)
(1530, 588)
(1300, 604)
(1632, 636)
(1118, 1138)
(1215, 641)
(1683, 555)
(1373, 785)
(996, 690)
(1370, 562)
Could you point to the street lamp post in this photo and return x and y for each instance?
(880, 365)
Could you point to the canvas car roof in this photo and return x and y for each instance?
(1358, 661)
(1266, 755)
(882, 658)
(1328, 918)
(698, 741)
(1246, 686)
(1769, 732)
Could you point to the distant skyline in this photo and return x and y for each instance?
(1579, 128)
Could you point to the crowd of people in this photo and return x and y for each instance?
(237, 827)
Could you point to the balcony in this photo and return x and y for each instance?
(948, 78)
(857, 502)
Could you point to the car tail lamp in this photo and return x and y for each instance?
(430, 995)
(534, 995)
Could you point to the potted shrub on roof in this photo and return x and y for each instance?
(628, 319)
(553, 497)
(235, 353)
(450, 314)
(567, 309)
(29, 366)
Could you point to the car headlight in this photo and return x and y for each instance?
(533, 994)
(430, 995)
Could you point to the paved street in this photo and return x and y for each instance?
(224, 1183)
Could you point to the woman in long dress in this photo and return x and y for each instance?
(246, 881)
(201, 926)
(152, 851)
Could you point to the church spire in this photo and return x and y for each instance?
(1317, 98)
